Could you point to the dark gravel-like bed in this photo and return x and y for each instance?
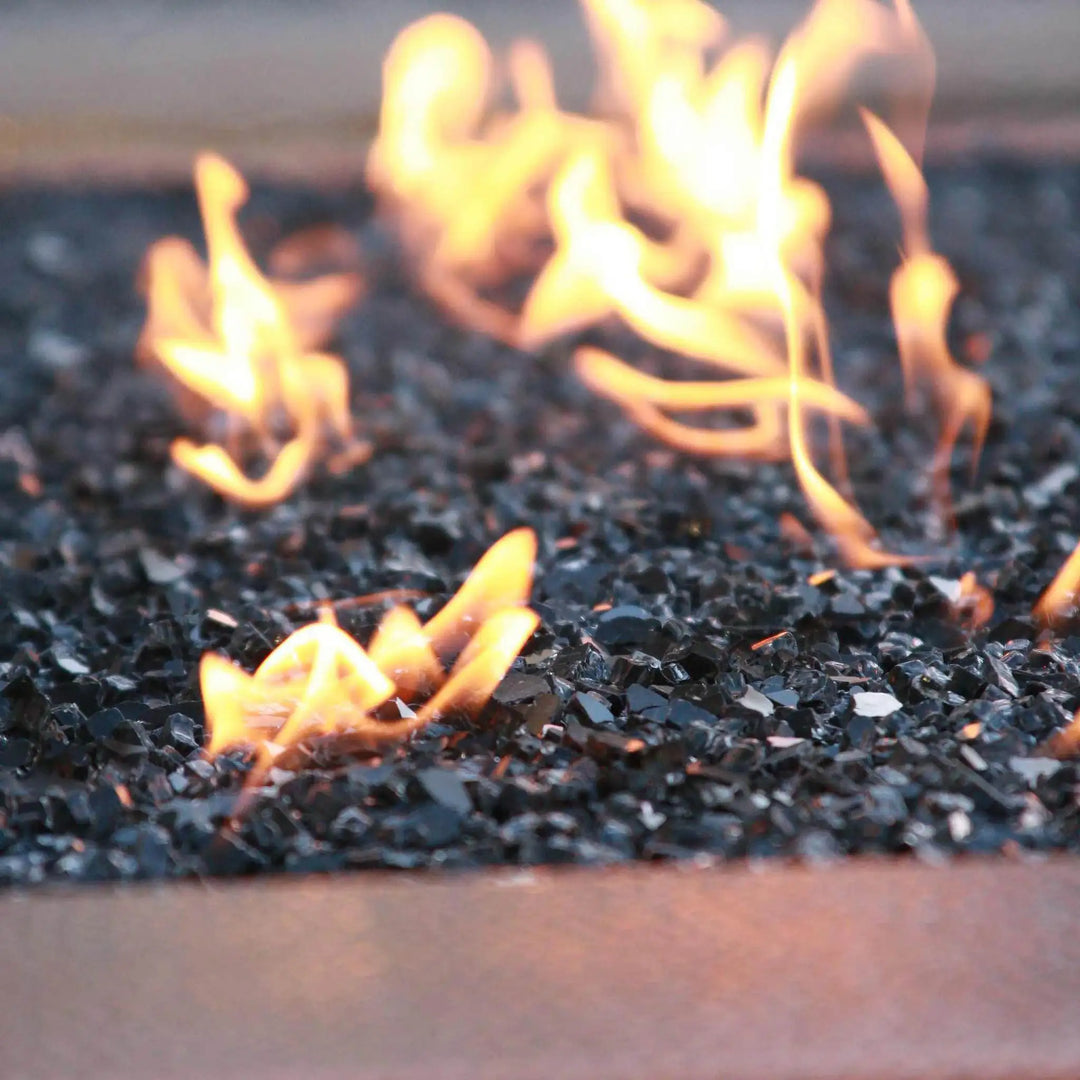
(641, 722)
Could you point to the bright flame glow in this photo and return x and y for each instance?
(922, 293)
(678, 213)
(243, 346)
(319, 680)
(469, 182)
(1062, 592)
(645, 396)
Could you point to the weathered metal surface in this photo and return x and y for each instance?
(863, 970)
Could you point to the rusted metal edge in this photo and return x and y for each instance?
(865, 969)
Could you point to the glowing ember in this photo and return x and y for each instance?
(770, 639)
(678, 213)
(242, 347)
(319, 680)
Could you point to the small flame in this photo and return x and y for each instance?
(320, 680)
(677, 212)
(1062, 592)
(244, 347)
(974, 603)
(922, 293)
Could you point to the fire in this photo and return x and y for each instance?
(973, 605)
(677, 211)
(644, 397)
(922, 293)
(244, 347)
(468, 181)
(320, 680)
(1062, 592)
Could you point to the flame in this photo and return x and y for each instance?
(644, 397)
(677, 211)
(468, 181)
(244, 346)
(1064, 744)
(799, 303)
(1063, 591)
(320, 680)
(922, 293)
(974, 603)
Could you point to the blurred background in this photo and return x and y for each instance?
(119, 88)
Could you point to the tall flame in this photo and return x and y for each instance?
(922, 293)
(467, 181)
(678, 213)
(244, 346)
(320, 680)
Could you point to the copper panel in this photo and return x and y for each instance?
(868, 970)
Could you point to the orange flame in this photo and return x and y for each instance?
(678, 213)
(468, 182)
(644, 397)
(854, 535)
(319, 680)
(242, 345)
(922, 293)
(973, 606)
(1062, 593)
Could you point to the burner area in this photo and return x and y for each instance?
(625, 451)
(705, 678)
